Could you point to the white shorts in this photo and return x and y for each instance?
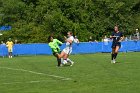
(67, 50)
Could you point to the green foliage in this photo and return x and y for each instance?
(33, 21)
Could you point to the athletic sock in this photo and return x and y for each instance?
(59, 61)
(69, 60)
(112, 56)
(115, 55)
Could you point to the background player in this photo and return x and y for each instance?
(9, 45)
(117, 37)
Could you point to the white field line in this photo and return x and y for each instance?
(37, 73)
(10, 83)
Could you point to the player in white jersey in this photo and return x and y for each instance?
(67, 50)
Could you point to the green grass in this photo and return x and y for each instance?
(91, 73)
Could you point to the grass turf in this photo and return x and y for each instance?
(91, 73)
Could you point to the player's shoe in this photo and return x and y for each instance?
(113, 61)
(60, 65)
(71, 64)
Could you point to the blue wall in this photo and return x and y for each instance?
(81, 48)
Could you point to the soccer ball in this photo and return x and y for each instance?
(6, 45)
(64, 62)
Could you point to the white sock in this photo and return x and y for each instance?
(69, 60)
(61, 60)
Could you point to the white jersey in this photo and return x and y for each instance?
(68, 48)
(68, 45)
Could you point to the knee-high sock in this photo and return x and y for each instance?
(69, 60)
(115, 55)
(59, 61)
(112, 56)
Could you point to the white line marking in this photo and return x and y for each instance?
(38, 73)
(23, 82)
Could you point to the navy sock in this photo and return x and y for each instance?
(112, 56)
(115, 55)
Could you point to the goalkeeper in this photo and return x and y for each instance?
(54, 45)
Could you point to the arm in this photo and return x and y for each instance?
(59, 42)
(12, 43)
(78, 41)
(113, 36)
(66, 40)
(121, 37)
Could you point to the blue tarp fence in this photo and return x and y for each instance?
(5, 28)
(78, 48)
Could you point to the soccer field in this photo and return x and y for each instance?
(91, 73)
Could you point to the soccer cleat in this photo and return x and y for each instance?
(71, 64)
(114, 61)
(61, 65)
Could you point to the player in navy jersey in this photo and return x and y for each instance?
(117, 37)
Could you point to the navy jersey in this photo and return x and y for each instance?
(117, 36)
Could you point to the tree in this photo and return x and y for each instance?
(33, 21)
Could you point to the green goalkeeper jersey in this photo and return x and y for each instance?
(54, 45)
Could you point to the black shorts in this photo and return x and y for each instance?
(56, 53)
(114, 44)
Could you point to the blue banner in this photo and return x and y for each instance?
(78, 48)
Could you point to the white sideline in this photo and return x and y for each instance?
(38, 73)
